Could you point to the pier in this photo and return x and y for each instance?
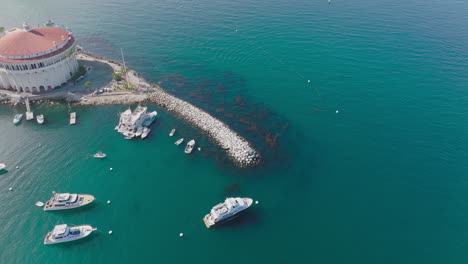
(72, 118)
(29, 113)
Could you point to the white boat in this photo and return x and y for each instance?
(100, 155)
(40, 119)
(178, 142)
(172, 132)
(145, 133)
(130, 121)
(139, 131)
(65, 233)
(62, 201)
(150, 117)
(17, 118)
(128, 135)
(189, 147)
(226, 211)
(2, 166)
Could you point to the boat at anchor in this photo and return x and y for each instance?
(17, 118)
(179, 141)
(63, 201)
(227, 210)
(189, 147)
(172, 132)
(100, 155)
(40, 119)
(145, 132)
(64, 233)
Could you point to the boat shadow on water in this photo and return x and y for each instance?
(2, 172)
(242, 220)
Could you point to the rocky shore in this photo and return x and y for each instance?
(236, 147)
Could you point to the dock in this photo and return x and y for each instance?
(29, 113)
(72, 118)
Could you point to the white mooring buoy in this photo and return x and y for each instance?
(110, 169)
(17, 167)
(10, 189)
(256, 202)
(181, 234)
(108, 201)
(110, 232)
(308, 81)
(337, 111)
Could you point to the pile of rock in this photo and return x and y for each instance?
(235, 145)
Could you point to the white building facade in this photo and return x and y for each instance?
(36, 59)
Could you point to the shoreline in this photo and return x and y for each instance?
(236, 147)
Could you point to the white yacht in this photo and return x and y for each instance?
(172, 132)
(2, 166)
(150, 117)
(100, 155)
(130, 121)
(227, 210)
(189, 147)
(145, 132)
(179, 141)
(65, 233)
(62, 201)
(17, 118)
(40, 119)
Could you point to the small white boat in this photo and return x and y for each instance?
(65, 233)
(172, 132)
(178, 142)
(17, 118)
(40, 119)
(189, 147)
(62, 201)
(2, 166)
(100, 155)
(145, 132)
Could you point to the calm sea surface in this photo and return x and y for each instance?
(383, 181)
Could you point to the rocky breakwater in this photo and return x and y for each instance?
(237, 148)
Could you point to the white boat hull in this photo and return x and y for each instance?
(85, 230)
(209, 222)
(87, 199)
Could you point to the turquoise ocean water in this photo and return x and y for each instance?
(383, 181)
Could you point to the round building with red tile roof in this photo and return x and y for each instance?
(36, 59)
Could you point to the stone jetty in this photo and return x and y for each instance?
(237, 147)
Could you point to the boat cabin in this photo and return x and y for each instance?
(60, 231)
(64, 198)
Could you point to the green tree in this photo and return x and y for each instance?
(88, 83)
(2, 29)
